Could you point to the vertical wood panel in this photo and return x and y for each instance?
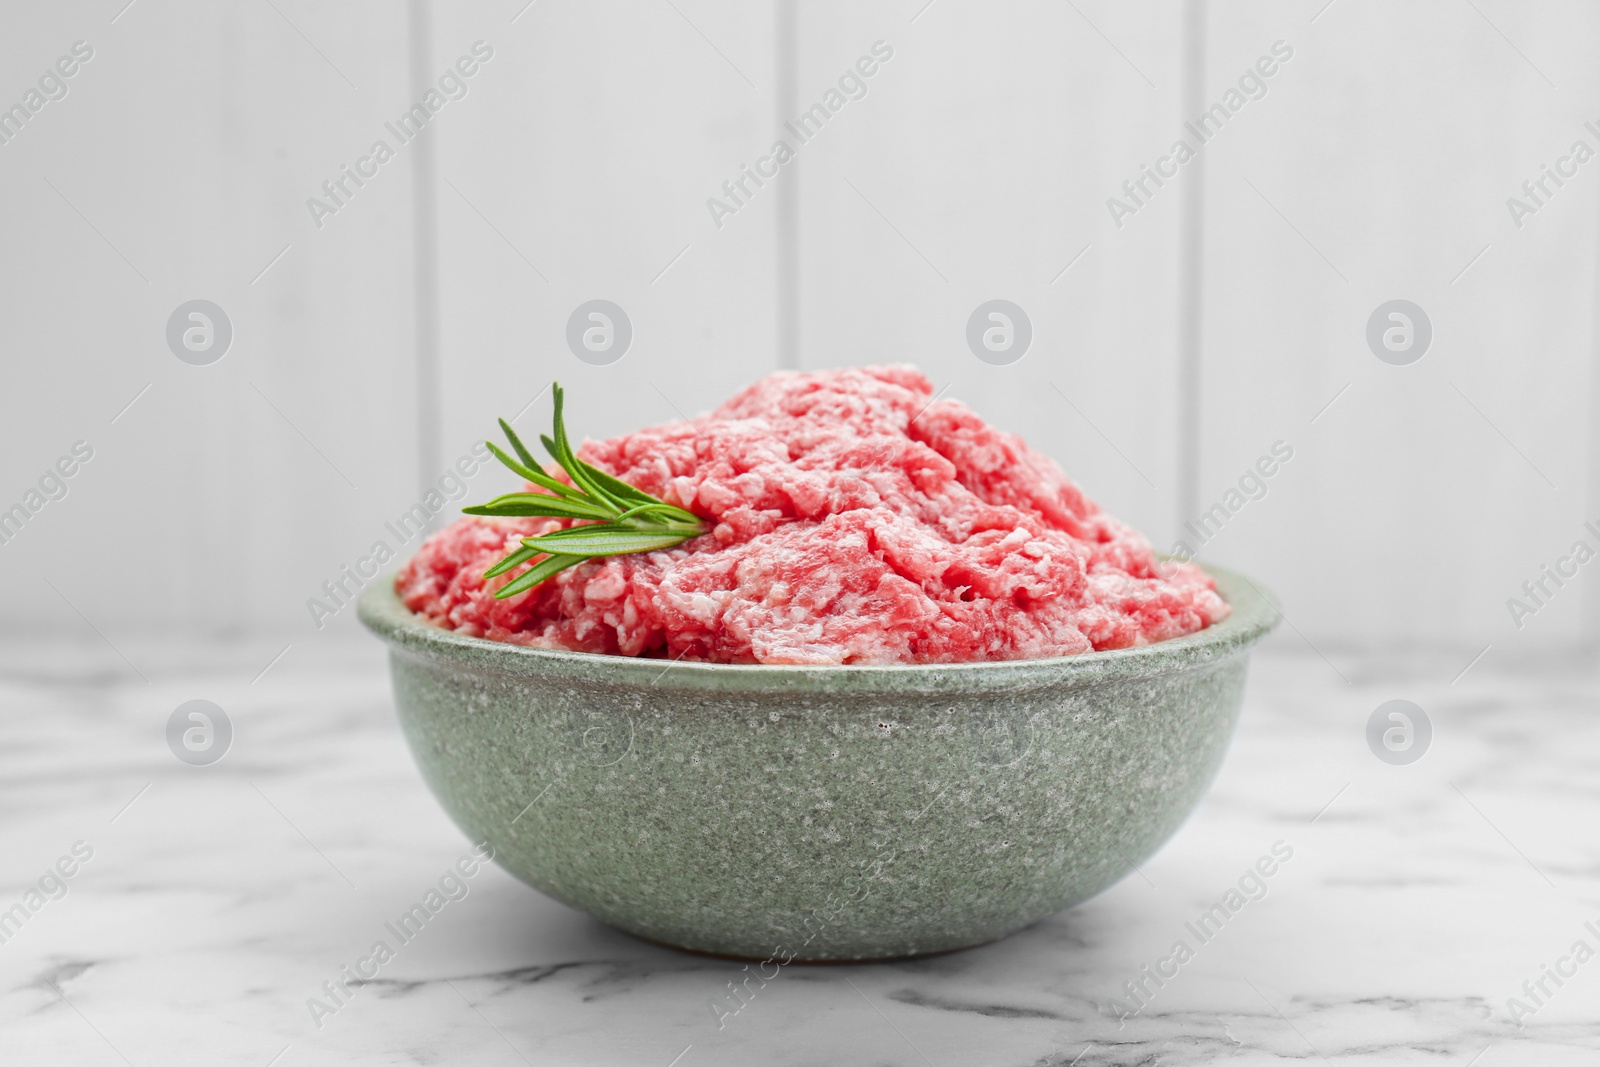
(580, 170)
(1378, 168)
(978, 167)
(191, 142)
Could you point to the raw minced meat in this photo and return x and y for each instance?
(854, 519)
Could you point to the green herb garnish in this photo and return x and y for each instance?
(617, 518)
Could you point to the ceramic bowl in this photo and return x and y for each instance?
(818, 813)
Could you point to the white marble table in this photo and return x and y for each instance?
(219, 901)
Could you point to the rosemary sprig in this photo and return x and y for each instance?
(618, 519)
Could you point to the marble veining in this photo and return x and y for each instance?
(1419, 899)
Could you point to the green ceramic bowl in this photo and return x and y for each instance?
(818, 813)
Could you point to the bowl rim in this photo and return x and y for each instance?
(1254, 615)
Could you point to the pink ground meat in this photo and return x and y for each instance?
(853, 521)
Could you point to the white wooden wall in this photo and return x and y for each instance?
(190, 143)
(1428, 493)
(1223, 317)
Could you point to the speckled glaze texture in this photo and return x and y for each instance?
(819, 813)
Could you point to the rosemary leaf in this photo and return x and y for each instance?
(516, 443)
(620, 489)
(534, 474)
(615, 518)
(546, 567)
(555, 507)
(521, 555)
(604, 539)
(564, 455)
(667, 511)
